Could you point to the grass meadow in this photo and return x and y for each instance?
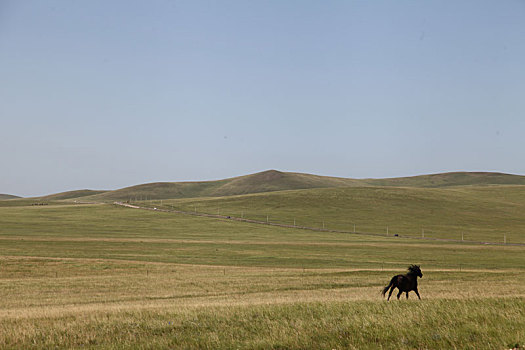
(102, 276)
(472, 213)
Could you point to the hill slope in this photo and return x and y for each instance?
(8, 196)
(272, 180)
(70, 195)
(482, 213)
(267, 181)
(451, 179)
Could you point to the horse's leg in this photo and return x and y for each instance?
(398, 294)
(417, 293)
(407, 294)
(390, 294)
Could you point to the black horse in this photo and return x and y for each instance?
(405, 283)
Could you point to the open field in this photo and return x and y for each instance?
(111, 232)
(103, 276)
(93, 304)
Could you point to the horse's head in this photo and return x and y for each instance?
(416, 270)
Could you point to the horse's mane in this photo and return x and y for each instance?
(414, 269)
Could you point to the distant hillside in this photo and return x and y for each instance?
(7, 196)
(451, 179)
(70, 195)
(272, 180)
(266, 181)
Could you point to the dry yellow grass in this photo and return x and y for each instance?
(101, 303)
(52, 286)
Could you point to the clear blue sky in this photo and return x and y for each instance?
(105, 94)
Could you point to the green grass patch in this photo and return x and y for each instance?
(489, 213)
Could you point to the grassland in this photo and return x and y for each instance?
(104, 276)
(472, 213)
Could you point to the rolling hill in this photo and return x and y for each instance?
(273, 180)
(267, 181)
(8, 196)
(451, 179)
(55, 199)
(70, 195)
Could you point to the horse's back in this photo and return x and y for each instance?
(402, 282)
(406, 283)
(400, 279)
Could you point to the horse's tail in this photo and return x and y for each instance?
(383, 292)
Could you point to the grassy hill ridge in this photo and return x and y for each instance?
(70, 195)
(273, 180)
(8, 196)
(451, 179)
(267, 181)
